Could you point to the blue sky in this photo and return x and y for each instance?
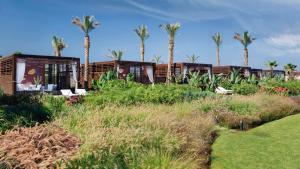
(28, 26)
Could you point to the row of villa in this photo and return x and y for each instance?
(35, 73)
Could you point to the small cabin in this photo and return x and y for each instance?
(35, 73)
(268, 73)
(181, 69)
(143, 71)
(226, 70)
(257, 73)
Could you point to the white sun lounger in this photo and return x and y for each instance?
(81, 92)
(67, 93)
(221, 90)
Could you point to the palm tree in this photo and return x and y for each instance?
(58, 45)
(143, 33)
(157, 59)
(171, 29)
(272, 65)
(218, 40)
(115, 54)
(245, 40)
(192, 59)
(289, 69)
(86, 25)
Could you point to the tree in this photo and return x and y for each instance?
(218, 41)
(245, 40)
(143, 33)
(171, 29)
(157, 59)
(272, 65)
(192, 58)
(115, 54)
(86, 25)
(58, 45)
(289, 69)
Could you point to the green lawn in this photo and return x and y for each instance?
(271, 146)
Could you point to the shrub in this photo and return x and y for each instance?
(245, 88)
(127, 93)
(22, 110)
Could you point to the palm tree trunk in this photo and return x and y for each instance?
(142, 51)
(58, 53)
(86, 63)
(171, 60)
(246, 57)
(271, 72)
(218, 56)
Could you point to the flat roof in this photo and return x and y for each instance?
(124, 61)
(40, 57)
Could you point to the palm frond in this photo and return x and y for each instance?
(157, 59)
(245, 40)
(87, 25)
(192, 58)
(142, 32)
(217, 39)
(115, 54)
(171, 28)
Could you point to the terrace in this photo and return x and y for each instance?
(181, 68)
(37, 73)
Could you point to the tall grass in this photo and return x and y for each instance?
(162, 135)
(147, 136)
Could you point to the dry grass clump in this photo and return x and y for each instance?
(37, 147)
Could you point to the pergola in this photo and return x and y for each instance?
(181, 68)
(28, 73)
(143, 71)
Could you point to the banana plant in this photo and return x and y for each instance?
(194, 79)
(252, 79)
(214, 82)
(235, 77)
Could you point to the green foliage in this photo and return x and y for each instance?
(115, 54)
(126, 93)
(269, 86)
(104, 78)
(245, 88)
(245, 40)
(130, 77)
(192, 58)
(252, 79)
(55, 104)
(22, 110)
(196, 80)
(214, 82)
(87, 24)
(235, 77)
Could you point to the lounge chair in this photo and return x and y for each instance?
(67, 93)
(81, 92)
(221, 90)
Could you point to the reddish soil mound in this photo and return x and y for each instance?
(37, 147)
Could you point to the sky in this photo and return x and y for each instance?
(28, 26)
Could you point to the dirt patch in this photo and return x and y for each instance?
(37, 147)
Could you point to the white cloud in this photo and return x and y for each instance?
(285, 44)
(284, 41)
